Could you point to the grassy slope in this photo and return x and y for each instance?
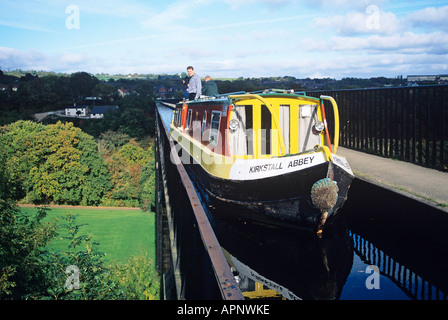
(121, 233)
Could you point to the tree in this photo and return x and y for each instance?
(146, 191)
(56, 163)
(16, 141)
(110, 141)
(97, 181)
(125, 166)
(22, 242)
(58, 174)
(104, 90)
(129, 121)
(82, 84)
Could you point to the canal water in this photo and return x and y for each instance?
(382, 246)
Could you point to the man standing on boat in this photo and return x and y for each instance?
(194, 85)
(210, 88)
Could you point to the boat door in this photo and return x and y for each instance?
(240, 130)
(307, 118)
(284, 117)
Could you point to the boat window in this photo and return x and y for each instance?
(249, 130)
(284, 112)
(204, 121)
(266, 123)
(214, 128)
(175, 117)
(178, 118)
(188, 124)
(175, 112)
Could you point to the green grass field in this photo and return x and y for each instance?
(121, 233)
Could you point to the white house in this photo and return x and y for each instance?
(77, 111)
(99, 111)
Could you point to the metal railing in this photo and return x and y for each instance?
(188, 256)
(405, 123)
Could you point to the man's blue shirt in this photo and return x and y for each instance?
(195, 85)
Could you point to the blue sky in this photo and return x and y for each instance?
(228, 38)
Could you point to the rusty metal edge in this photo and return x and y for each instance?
(226, 281)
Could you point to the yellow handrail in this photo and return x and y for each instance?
(336, 120)
(274, 116)
(325, 150)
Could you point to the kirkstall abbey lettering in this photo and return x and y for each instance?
(278, 165)
(266, 167)
(299, 162)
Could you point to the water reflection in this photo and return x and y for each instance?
(405, 238)
(412, 284)
(271, 262)
(166, 115)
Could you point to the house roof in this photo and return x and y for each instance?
(76, 107)
(103, 109)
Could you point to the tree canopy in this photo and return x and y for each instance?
(55, 163)
(61, 164)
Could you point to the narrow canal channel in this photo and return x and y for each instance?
(383, 246)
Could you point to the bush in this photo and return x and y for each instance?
(138, 278)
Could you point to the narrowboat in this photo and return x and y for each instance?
(268, 154)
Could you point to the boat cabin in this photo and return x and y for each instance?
(255, 125)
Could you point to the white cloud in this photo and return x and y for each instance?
(365, 65)
(35, 60)
(412, 43)
(11, 58)
(369, 18)
(72, 59)
(356, 22)
(430, 18)
(408, 42)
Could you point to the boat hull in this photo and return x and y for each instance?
(283, 200)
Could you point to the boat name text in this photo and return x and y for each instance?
(300, 162)
(278, 165)
(266, 167)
